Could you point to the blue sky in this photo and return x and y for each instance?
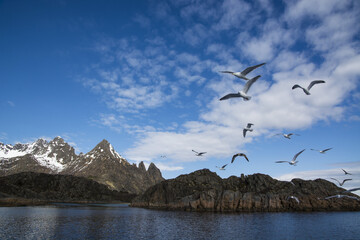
(145, 76)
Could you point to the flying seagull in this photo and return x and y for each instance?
(293, 161)
(341, 183)
(293, 197)
(243, 74)
(322, 151)
(351, 190)
(198, 153)
(222, 168)
(341, 196)
(306, 90)
(243, 92)
(288, 136)
(239, 155)
(248, 128)
(346, 172)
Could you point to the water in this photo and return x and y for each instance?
(118, 221)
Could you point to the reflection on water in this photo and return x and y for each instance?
(118, 221)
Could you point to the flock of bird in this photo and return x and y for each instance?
(244, 94)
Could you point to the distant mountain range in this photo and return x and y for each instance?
(102, 164)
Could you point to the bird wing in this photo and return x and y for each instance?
(315, 150)
(281, 161)
(249, 83)
(249, 69)
(351, 190)
(352, 197)
(296, 86)
(233, 158)
(227, 72)
(245, 157)
(331, 197)
(249, 125)
(296, 155)
(237, 155)
(230, 95)
(201, 153)
(224, 166)
(195, 151)
(348, 179)
(313, 83)
(290, 134)
(293, 197)
(326, 149)
(336, 180)
(244, 132)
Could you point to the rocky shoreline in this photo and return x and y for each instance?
(204, 190)
(24, 202)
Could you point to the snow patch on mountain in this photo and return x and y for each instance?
(41, 150)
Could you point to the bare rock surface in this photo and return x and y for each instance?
(204, 190)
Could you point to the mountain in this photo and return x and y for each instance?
(54, 187)
(102, 164)
(204, 190)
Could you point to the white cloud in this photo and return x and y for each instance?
(11, 103)
(300, 10)
(233, 14)
(142, 20)
(3, 136)
(196, 34)
(153, 76)
(265, 46)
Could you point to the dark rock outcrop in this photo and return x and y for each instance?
(49, 187)
(204, 190)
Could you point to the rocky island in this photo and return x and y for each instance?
(204, 190)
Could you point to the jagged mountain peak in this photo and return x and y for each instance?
(105, 150)
(58, 139)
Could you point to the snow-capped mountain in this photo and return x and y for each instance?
(102, 164)
(54, 155)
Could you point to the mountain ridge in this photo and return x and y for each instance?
(102, 164)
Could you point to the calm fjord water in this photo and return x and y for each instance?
(118, 221)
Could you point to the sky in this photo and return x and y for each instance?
(145, 75)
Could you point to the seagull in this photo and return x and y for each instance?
(341, 196)
(243, 92)
(239, 155)
(287, 135)
(293, 161)
(243, 73)
(322, 151)
(198, 153)
(306, 90)
(248, 128)
(222, 168)
(163, 156)
(293, 197)
(351, 190)
(346, 173)
(341, 183)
